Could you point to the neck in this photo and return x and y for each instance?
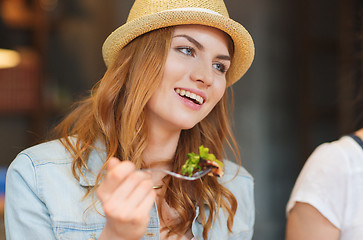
(359, 133)
(161, 148)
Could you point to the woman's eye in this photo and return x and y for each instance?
(187, 51)
(220, 67)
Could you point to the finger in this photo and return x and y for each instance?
(139, 193)
(145, 206)
(136, 213)
(121, 204)
(124, 190)
(117, 172)
(112, 162)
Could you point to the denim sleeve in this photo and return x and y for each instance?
(26, 216)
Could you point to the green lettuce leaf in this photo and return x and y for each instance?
(192, 163)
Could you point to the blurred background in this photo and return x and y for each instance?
(298, 93)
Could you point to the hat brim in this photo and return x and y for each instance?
(243, 44)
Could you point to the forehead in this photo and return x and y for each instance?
(201, 32)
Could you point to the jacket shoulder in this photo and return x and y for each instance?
(47, 152)
(232, 169)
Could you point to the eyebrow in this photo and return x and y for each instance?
(224, 57)
(192, 40)
(200, 46)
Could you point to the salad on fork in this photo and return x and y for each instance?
(202, 161)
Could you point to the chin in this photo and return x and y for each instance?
(187, 125)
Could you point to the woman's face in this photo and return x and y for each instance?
(194, 79)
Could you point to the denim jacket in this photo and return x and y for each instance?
(43, 199)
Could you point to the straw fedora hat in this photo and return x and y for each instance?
(148, 15)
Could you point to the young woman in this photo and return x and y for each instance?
(162, 96)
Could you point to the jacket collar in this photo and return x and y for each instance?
(96, 160)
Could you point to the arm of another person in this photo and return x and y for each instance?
(306, 222)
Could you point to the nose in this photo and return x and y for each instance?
(202, 72)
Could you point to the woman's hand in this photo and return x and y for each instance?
(127, 197)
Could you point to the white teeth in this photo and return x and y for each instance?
(188, 94)
(201, 100)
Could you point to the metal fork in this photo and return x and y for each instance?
(195, 176)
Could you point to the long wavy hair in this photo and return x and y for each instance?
(115, 114)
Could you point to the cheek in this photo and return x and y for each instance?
(174, 68)
(220, 90)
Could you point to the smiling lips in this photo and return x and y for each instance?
(192, 96)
